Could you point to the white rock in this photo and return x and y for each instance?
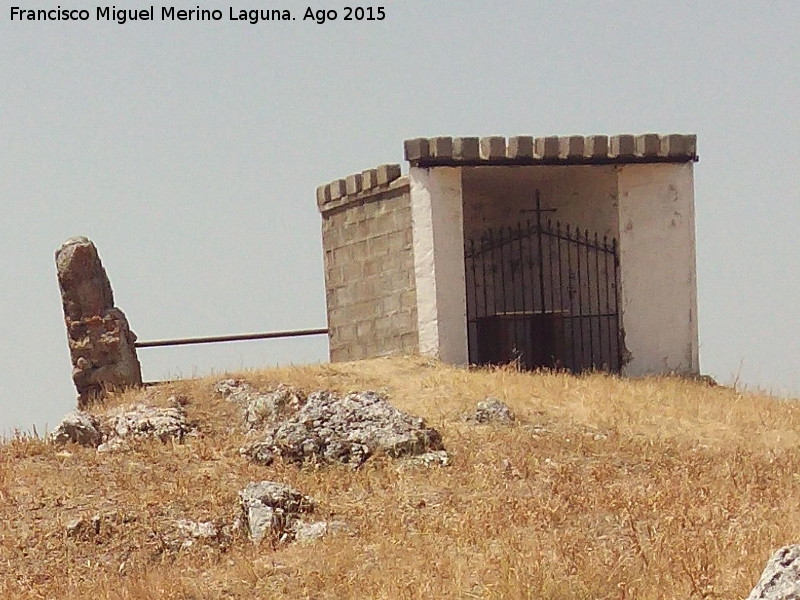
(270, 510)
(348, 429)
(309, 532)
(78, 427)
(781, 577)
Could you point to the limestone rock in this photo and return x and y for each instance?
(309, 532)
(116, 431)
(140, 421)
(261, 408)
(270, 510)
(80, 428)
(189, 532)
(234, 390)
(491, 410)
(329, 428)
(781, 577)
(101, 343)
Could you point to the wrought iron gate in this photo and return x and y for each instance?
(544, 295)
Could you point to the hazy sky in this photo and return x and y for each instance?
(190, 152)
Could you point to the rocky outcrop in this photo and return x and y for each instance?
(781, 577)
(348, 429)
(272, 510)
(491, 410)
(79, 428)
(125, 425)
(262, 408)
(101, 343)
(140, 421)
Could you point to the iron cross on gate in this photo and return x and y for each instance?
(538, 210)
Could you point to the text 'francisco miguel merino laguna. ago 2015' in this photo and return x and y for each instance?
(172, 13)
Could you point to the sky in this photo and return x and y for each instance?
(189, 152)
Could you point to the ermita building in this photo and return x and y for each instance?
(573, 252)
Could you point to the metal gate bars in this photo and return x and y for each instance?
(543, 295)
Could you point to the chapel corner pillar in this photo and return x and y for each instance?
(658, 272)
(437, 221)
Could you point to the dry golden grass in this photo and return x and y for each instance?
(605, 488)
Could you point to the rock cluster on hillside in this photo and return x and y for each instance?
(274, 512)
(261, 408)
(270, 510)
(348, 429)
(114, 431)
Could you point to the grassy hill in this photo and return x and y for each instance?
(603, 488)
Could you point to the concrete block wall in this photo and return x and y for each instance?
(369, 264)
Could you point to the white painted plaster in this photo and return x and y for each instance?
(658, 267)
(437, 224)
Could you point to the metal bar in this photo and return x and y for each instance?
(551, 279)
(513, 276)
(503, 276)
(523, 292)
(472, 333)
(580, 294)
(485, 283)
(539, 244)
(522, 268)
(599, 320)
(573, 346)
(231, 338)
(561, 285)
(616, 303)
(611, 365)
(589, 298)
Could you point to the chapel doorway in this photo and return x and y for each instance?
(543, 294)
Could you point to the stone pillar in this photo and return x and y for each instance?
(658, 281)
(438, 231)
(101, 343)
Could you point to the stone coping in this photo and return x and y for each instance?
(557, 150)
(517, 150)
(358, 186)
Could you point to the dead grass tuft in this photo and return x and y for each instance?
(605, 488)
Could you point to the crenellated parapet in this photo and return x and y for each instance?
(359, 186)
(564, 150)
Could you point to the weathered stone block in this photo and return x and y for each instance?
(595, 146)
(466, 148)
(323, 195)
(378, 245)
(678, 146)
(416, 149)
(388, 173)
(338, 189)
(622, 146)
(648, 144)
(441, 147)
(369, 179)
(493, 147)
(520, 146)
(546, 147)
(570, 147)
(353, 184)
(101, 342)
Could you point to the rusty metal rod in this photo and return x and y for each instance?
(231, 338)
